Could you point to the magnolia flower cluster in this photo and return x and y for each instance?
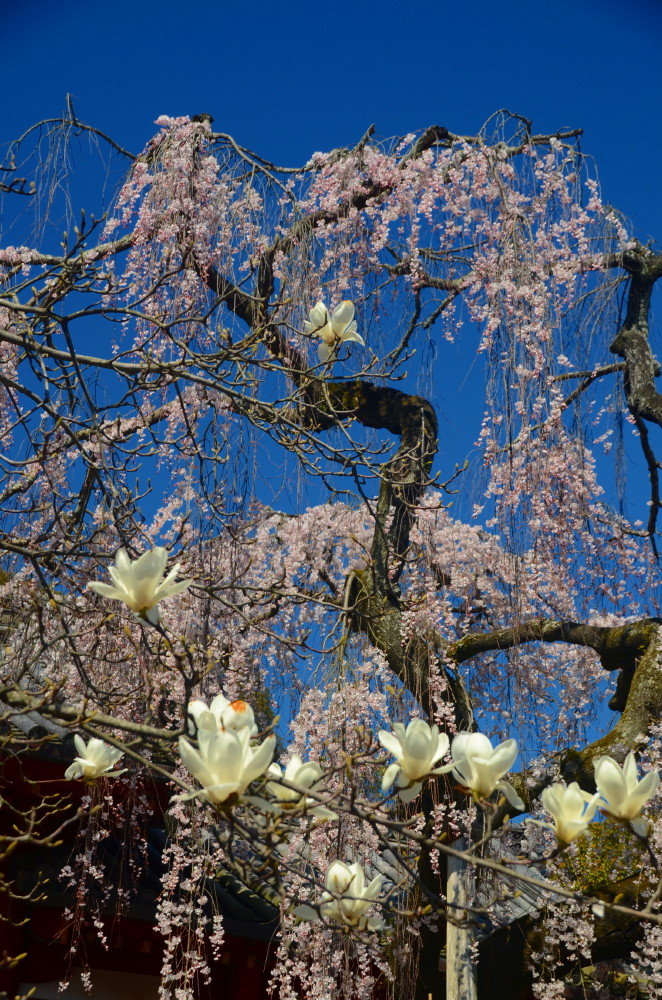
(332, 330)
(481, 769)
(416, 749)
(225, 763)
(476, 765)
(305, 777)
(347, 898)
(623, 793)
(139, 583)
(620, 794)
(571, 808)
(94, 759)
(221, 714)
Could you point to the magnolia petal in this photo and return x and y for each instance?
(105, 590)
(218, 705)
(353, 337)
(410, 793)
(645, 789)
(390, 774)
(119, 580)
(418, 745)
(96, 748)
(151, 564)
(143, 579)
(641, 826)
(574, 801)
(444, 769)
(196, 707)
(358, 881)
(152, 615)
(294, 763)
(171, 590)
(630, 771)
(324, 352)
(308, 774)
(262, 757)
(222, 791)
(342, 316)
(322, 813)
(318, 316)
(206, 720)
(223, 752)
(238, 715)
(193, 762)
(374, 888)
(550, 799)
(169, 578)
(476, 744)
(122, 561)
(390, 743)
(610, 781)
(462, 772)
(443, 745)
(511, 794)
(503, 756)
(623, 793)
(338, 877)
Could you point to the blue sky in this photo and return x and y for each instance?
(291, 77)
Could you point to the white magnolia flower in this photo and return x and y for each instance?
(225, 763)
(347, 898)
(305, 776)
(416, 749)
(95, 759)
(480, 768)
(571, 808)
(621, 789)
(140, 584)
(220, 714)
(332, 330)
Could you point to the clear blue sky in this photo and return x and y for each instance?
(288, 78)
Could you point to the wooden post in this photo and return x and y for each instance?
(461, 972)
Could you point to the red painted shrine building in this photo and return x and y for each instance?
(36, 926)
